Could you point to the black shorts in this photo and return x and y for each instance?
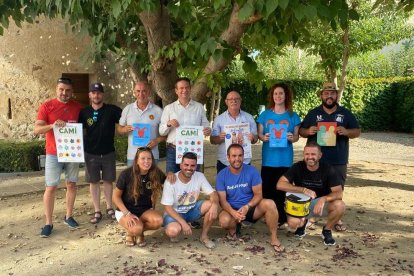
(249, 215)
(95, 164)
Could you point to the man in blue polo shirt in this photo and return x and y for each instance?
(239, 187)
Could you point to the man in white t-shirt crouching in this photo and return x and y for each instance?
(181, 204)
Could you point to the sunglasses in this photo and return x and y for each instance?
(95, 116)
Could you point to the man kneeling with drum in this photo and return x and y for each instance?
(309, 178)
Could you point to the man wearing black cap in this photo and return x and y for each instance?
(57, 112)
(346, 128)
(99, 120)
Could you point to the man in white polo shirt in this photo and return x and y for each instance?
(141, 111)
(233, 115)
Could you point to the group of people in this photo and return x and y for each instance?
(244, 194)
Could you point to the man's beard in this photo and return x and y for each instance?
(329, 106)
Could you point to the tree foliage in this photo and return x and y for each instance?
(162, 39)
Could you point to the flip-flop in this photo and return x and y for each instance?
(129, 241)
(340, 227)
(231, 237)
(110, 213)
(140, 241)
(97, 217)
(311, 225)
(208, 243)
(278, 248)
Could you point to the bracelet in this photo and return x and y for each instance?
(303, 191)
(127, 214)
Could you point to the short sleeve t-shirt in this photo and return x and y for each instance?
(337, 155)
(100, 128)
(183, 196)
(320, 181)
(278, 156)
(238, 187)
(124, 183)
(53, 110)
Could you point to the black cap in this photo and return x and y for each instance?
(96, 87)
(64, 80)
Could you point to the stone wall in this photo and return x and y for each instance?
(31, 60)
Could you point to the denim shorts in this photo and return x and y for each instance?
(192, 215)
(53, 170)
(312, 206)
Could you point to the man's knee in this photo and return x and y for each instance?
(71, 186)
(225, 220)
(268, 205)
(337, 206)
(173, 230)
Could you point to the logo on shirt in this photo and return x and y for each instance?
(151, 117)
(89, 121)
(319, 118)
(339, 118)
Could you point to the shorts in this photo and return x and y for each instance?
(95, 164)
(192, 215)
(119, 214)
(53, 170)
(340, 171)
(249, 215)
(312, 205)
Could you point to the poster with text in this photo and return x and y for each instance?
(278, 136)
(238, 134)
(69, 143)
(141, 135)
(326, 136)
(189, 139)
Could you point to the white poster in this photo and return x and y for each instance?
(239, 134)
(189, 139)
(69, 143)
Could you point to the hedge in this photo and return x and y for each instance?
(378, 104)
(20, 157)
(23, 156)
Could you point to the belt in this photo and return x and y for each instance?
(170, 145)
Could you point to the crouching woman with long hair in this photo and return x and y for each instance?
(136, 193)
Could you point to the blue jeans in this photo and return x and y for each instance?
(171, 166)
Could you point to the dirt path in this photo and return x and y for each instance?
(379, 241)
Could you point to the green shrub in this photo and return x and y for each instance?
(21, 156)
(378, 104)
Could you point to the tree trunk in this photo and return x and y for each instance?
(164, 71)
(232, 36)
(345, 59)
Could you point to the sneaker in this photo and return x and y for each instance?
(246, 223)
(195, 224)
(327, 237)
(46, 231)
(301, 231)
(71, 222)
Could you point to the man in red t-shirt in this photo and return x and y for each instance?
(57, 112)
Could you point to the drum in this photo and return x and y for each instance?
(297, 204)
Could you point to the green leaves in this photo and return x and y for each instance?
(246, 11)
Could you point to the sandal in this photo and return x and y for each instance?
(311, 224)
(231, 237)
(97, 217)
(278, 248)
(141, 241)
(340, 227)
(110, 213)
(129, 240)
(208, 243)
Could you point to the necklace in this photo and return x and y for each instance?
(145, 181)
